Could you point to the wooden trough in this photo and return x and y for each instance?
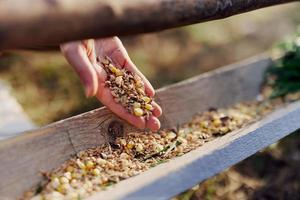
(23, 157)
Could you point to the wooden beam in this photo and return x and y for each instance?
(30, 23)
(23, 157)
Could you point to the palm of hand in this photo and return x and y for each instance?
(84, 58)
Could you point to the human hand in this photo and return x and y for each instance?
(84, 57)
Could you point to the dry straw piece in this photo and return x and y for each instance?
(95, 169)
(127, 89)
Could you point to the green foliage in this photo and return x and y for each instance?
(286, 70)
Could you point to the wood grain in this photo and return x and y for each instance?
(23, 157)
(53, 22)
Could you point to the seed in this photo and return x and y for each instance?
(204, 124)
(55, 183)
(158, 147)
(130, 145)
(217, 122)
(138, 112)
(96, 172)
(68, 175)
(119, 73)
(122, 142)
(101, 161)
(63, 180)
(70, 169)
(76, 175)
(171, 135)
(119, 80)
(139, 148)
(89, 164)
(136, 105)
(80, 164)
(146, 99)
(148, 107)
(74, 183)
(112, 68)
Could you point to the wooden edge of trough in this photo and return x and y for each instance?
(24, 156)
(179, 174)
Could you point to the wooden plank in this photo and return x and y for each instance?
(23, 157)
(182, 173)
(53, 22)
(13, 119)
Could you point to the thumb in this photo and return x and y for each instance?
(76, 55)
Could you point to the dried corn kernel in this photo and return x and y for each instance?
(101, 161)
(63, 180)
(136, 105)
(148, 107)
(146, 99)
(96, 172)
(112, 68)
(119, 73)
(55, 183)
(80, 164)
(90, 164)
(171, 135)
(138, 112)
(130, 145)
(139, 148)
(68, 175)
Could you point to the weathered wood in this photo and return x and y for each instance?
(182, 173)
(30, 23)
(13, 119)
(23, 157)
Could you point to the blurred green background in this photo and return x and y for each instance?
(49, 90)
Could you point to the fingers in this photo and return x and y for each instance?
(157, 111)
(153, 123)
(77, 56)
(117, 52)
(106, 98)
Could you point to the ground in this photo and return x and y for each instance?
(49, 90)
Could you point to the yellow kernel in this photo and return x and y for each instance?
(63, 180)
(89, 164)
(61, 189)
(101, 161)
(171, 135)
(136, 105)
(130, 145)
(217, 122)
(80, 164)
(148, 107)
(68, 175)
(119, 73)
(204, 124)
(141, 91)
(74, 183)
(55, 183)
(76, 175)
(139, 148)
(112, 68)
(158, 147)
(146, 99)
(70, 169)
(138, 112)
(96, 172)
(122, 142)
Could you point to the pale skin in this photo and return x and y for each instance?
(84, 57)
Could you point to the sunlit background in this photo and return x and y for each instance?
(49, 90)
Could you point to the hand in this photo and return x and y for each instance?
(84, 56)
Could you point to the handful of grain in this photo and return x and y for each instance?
(127, 89)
